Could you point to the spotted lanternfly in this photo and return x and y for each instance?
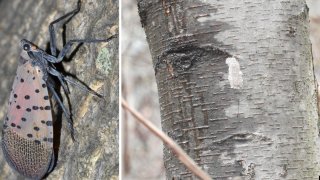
(27, 136)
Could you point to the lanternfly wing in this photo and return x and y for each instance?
(27, 140)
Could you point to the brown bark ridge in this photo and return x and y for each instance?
(236, 86)
(94, 155)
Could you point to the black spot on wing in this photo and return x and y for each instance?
(49, 123)
(22, 60)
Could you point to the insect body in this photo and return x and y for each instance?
(27, 139)
(27, 136)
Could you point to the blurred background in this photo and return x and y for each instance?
(314, 11)
(141, 151)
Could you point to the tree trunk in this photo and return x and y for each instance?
(94, 155)
(236, 86)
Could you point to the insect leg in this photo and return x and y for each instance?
(68, 46)
(72, 81)
(82, 86)
(52, 163)
(64, 109)
(53, 43)
(60, 77)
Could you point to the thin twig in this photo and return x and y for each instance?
(182, 156)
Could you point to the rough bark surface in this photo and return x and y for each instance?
(95, 154)
(253, 116)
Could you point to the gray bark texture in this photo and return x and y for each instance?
(94, 155)
(236, 86)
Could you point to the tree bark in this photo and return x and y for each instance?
(236, 86)
(94, 155)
